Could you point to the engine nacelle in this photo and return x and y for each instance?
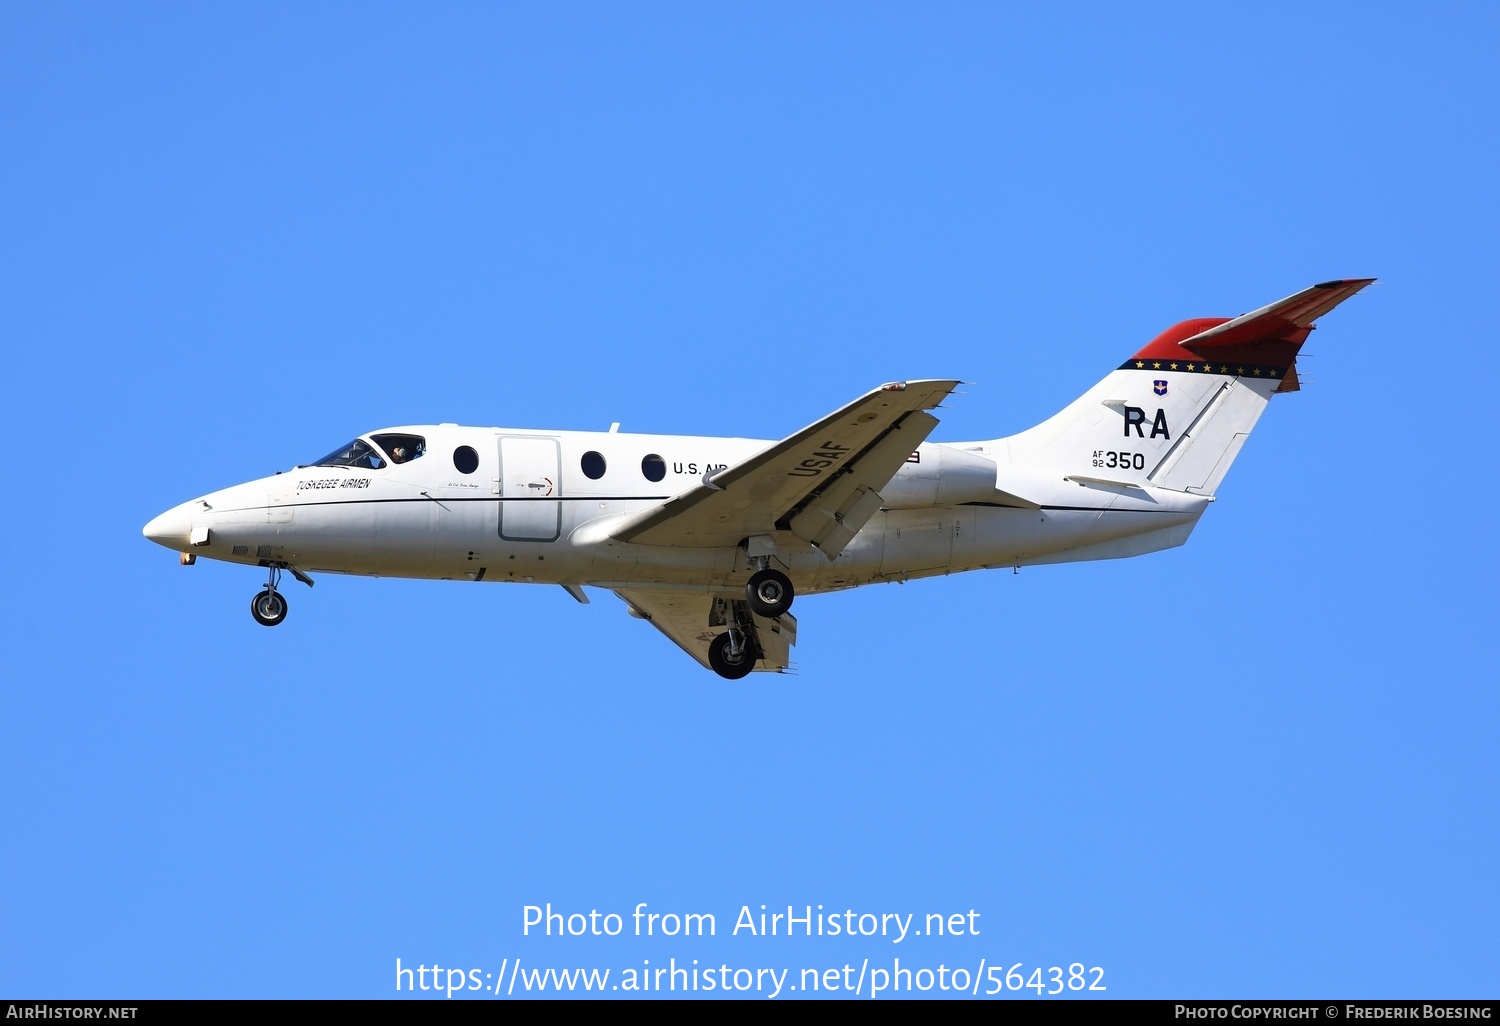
(940, 476)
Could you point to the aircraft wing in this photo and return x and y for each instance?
(692, 619)
(822, 483)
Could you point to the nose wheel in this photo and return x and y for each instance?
(769, 592)
(268, 608)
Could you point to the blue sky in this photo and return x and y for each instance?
(233, 236)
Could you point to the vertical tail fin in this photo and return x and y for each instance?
(1177, 412)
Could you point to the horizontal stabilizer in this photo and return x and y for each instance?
(1269, 337)
(1278, 322)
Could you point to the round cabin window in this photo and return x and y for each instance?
(654, 467)
(465, 459)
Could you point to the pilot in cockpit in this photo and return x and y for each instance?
(402, 448)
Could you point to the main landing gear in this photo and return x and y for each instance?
(269, 607)
(769, 592)
(732, 654)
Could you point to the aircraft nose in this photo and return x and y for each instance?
(171, 529)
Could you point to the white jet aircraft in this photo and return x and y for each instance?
(708, 539)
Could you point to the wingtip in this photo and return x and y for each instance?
(1339, 283)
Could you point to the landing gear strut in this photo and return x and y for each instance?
(269, 607)
(769, 592)
(732, 655)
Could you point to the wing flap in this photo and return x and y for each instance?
(776, 638)
(831, 528)
(830, 518)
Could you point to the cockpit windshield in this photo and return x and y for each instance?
(402, 448)
(357, 453)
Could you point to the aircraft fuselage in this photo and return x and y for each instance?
(488, 504)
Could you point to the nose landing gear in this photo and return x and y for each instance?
(269, 607)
